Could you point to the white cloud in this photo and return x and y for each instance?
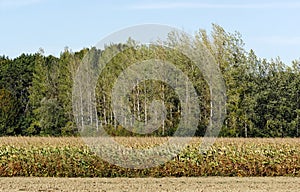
(6, 4)
(196, 5)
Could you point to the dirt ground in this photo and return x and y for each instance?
(203, 184)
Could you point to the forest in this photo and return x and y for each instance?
(262, 95)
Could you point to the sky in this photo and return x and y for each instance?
(270, 28)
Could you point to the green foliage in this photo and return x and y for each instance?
(262, 96)
(15, 79)
(8, 111)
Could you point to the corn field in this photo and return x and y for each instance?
(71, 157)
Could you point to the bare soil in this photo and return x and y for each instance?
(203, 184)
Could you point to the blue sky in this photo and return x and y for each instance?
(271, 28)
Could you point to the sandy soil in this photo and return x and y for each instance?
(261, 184)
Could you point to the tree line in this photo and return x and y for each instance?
(262, 95)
